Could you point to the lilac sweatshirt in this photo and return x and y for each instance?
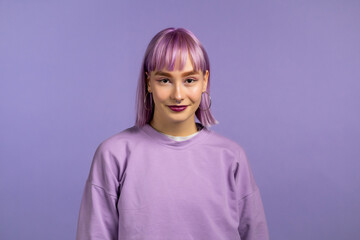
(143, 185)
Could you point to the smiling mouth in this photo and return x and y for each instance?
(178, 108)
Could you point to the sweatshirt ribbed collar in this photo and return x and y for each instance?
(162, 139)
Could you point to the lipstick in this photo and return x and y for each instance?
(177, 108)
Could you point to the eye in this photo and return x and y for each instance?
(191, 80)
(163, 81)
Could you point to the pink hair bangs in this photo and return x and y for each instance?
(168, 47)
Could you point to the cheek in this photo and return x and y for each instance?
(195, 94)
(160, 95)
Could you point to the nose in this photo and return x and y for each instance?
(178, 94)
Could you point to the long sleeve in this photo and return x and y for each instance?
(98, 215)
(252, 220)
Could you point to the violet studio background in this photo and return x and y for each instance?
(284, 84)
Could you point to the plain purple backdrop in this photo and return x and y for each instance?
(285, 85)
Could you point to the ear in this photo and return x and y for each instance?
(206, 77)
(147, 78)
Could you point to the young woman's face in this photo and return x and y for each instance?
(168, 88)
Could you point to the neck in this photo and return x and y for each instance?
(180, 129)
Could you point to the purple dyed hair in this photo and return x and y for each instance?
(162, 51)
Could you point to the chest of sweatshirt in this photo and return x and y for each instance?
(156, 176)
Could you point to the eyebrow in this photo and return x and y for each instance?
(169, 75)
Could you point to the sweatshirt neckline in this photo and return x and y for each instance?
(169, 142)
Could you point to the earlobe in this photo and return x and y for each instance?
(206, 77)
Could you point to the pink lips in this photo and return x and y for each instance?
(178, 108)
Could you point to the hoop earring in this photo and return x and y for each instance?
(147, 93)
(209, 103)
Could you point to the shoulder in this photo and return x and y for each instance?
(120, 140)
(111, 154)
(231, 147)
(218, 140)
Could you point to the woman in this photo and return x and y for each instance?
(169, 177)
